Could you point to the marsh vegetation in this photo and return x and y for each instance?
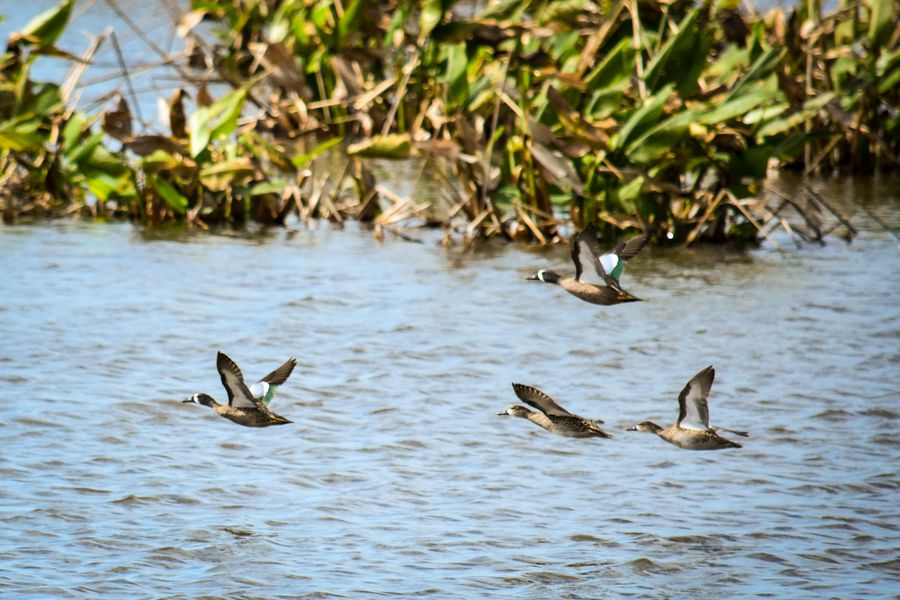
(536, 115)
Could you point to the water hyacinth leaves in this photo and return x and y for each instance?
(44, 29)
(216, 121)
(632, 114)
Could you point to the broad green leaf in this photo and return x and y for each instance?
(20, 136)
(455, 74)
(432, 14)
(46, 99)
(49, 25)
(177, 201)
(881, 22)
(73, 129)
(681, 58)
(222, 176)
(615, 68)
(102, 185)
(625, 196)
(158, 160)
(301, 160)
(644, 117)
(888, 71)
(80, 152)
(731, 61)
(395, 145)
(217, 120)
(348, 23)
(268, 187)
(662, 139)
(762, 67)
(740, 106)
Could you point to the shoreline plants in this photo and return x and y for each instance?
(537, 116)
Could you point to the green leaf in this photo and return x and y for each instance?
(268, 187)
(217, 120)
(681, 58)
(880, 23)
(432, 14)
(79, 152)
(662, 139)
(644, 117)
(740, 106)
(348, 22)
(177, 201)
(46, 100)
(617, 67)
(73, 129)
(395, 145)
(221, 176)
(626, 195)
(49, 25)
(762, 67)
(21, 135)
(455, 75)
(301, 160)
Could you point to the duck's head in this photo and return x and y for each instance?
(203, 399)
(515, 410)
(646, 426)
(545, 276)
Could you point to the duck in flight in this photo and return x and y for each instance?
(596, 275)
(553, 417)
(248, 406)
(692, 431)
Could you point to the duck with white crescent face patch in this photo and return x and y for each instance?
(248, 406)
(596, 275)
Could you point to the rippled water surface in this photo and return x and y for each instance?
(397, 476)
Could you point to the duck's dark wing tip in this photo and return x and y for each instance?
(280, 375)
(630, 248)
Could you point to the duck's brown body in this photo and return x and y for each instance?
(595, 294)
(246, 407)
(592, 283)
(249, 417)
(692, 431)
(552, 417)
(689, 439)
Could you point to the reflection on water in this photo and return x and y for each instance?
(397, 475)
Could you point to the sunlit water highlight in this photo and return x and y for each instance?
(397, 476)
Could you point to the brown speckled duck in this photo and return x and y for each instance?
(692, 431)
(596, 275)
(553, 417)
(248, 406)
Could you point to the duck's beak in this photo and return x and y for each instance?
(532, 278)
(188, 401)
(503, 414)
(632, 428)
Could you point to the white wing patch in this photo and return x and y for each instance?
(609, 262)
(258, 390)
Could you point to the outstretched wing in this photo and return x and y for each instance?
(613, 262)
(693, 412)
(280, 375)
(268, 385)
(585, 253)
(539, 400)
(629, 249)
(239, 395)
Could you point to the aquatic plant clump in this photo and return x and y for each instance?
(662, 116)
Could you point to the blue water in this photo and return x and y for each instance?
(397, 477)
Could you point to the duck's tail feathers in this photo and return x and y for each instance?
(734, 431)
